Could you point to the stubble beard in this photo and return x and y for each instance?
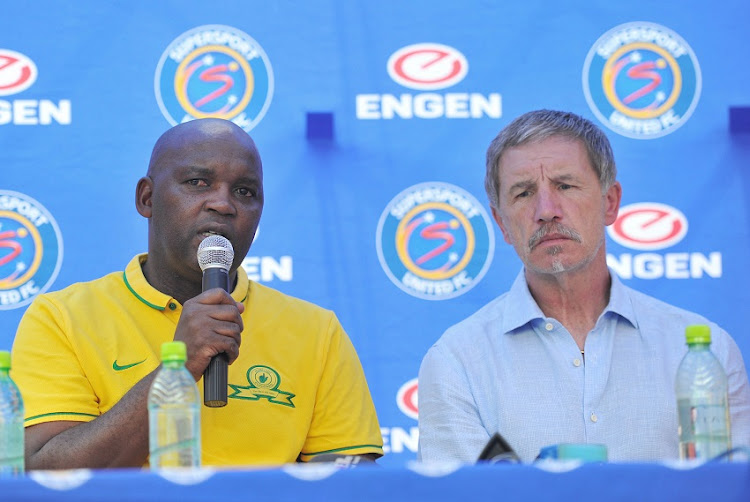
(557, 266)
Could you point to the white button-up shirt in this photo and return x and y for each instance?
(510, 369)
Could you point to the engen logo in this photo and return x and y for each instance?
(435, 241)
(214, 71)
(399, 439)
(642, 80)
(17, 73)
(407, 399)
(428, 67)
(268, 268)
(31, 249)
(648, 226)
(651, 226)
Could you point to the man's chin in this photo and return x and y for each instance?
(557, 267)
(552, 265)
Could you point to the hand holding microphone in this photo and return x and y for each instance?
(215, 256)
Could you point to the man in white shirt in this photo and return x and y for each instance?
(569, 354)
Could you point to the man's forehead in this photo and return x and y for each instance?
(236, 169)
(554, 154)
(203, 144)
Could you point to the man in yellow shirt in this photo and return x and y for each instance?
(85, 357)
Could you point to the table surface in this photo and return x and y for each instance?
(553, 481)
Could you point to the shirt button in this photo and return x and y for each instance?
(549, 326)
(172, 306)
(594, 418)
(576, 362)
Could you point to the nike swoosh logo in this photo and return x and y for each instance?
(117, 367)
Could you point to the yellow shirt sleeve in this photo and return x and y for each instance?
(344, 421)
(46, 368)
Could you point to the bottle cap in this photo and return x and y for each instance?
(698, 333)
(4, 360)
(173, 351)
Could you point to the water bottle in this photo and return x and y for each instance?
(702, 399)
(11, 422)
(174, 412)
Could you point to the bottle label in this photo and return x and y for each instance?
(704, 429)
(174, 437)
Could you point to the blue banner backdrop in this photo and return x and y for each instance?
(372, 119)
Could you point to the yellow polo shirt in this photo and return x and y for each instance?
(296, 390)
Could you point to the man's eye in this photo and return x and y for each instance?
(523, 194)
(565, 186)
(198, 182)
(246, 192)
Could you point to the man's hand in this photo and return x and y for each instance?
(211, 323)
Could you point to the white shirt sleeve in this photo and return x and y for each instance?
(450, 428)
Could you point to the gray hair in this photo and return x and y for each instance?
(540, 125)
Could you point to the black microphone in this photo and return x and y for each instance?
(498, 451)
(215, 256)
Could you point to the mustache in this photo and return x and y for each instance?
(553, 228)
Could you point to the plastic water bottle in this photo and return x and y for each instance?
(702, 399)
(11, 422)
(174, 412)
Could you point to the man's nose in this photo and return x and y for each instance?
(547, 205)
(220, 200)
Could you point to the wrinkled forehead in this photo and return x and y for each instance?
(551, 153)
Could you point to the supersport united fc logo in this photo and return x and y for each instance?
(31, 249)
(435, 241)
(214, 71)
(642, 80)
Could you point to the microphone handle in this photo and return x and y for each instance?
(215, 375)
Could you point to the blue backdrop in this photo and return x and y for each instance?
(372, 119)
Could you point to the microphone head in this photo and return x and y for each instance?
(215, 251)
(498, 451)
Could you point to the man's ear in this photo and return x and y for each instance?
(612, 203)
(499, 220)
(143, 192)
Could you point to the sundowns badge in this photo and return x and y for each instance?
(214, 71)
(31, 249)
(264, 383)
(642, 80)
(435, 241)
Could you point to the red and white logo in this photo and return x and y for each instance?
(648, 226)
(407, 398)
(17, 72)
(427, 66)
